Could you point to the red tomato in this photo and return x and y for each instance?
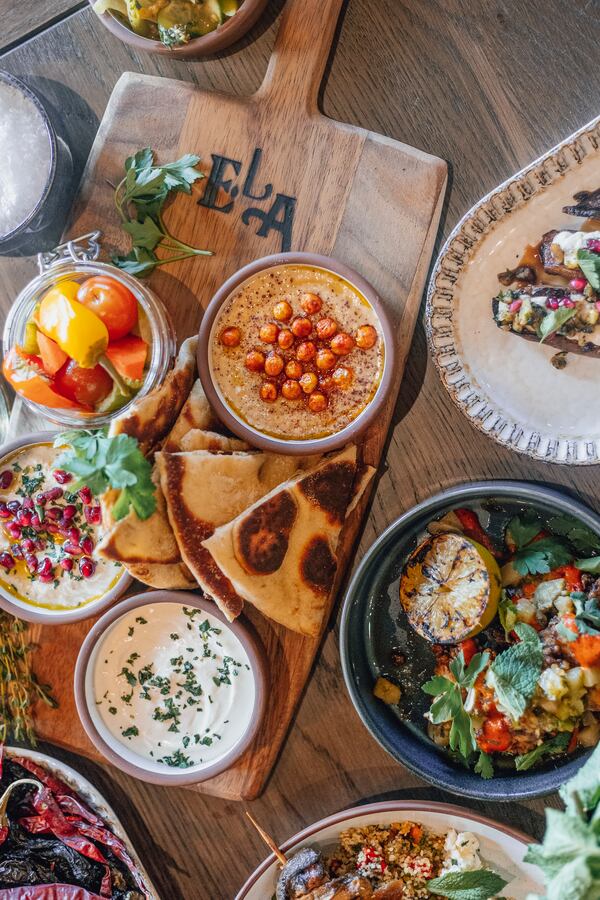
(495, 737)
(112, 302)
(86, 386)
(469, 649)
(572, 576)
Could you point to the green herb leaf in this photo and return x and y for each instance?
(541, 557)
(144, 234)
(479, 884)
(507, 613)
(589, 263)
(484, 766)
(554, 320)
(548, 748)
(579, 535)
(514, 673)
(103, 462)
(587, 614)
(139, 262)
(583, 789)
(589, 565)
(522, 529)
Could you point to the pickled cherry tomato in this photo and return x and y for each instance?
(86, 386)
(112, 302)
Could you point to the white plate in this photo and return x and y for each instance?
(502, 848)
(506, 385)
(92, 797)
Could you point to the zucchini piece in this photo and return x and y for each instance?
(181, 20)
(229, 7)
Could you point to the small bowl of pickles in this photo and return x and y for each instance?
(182, 28)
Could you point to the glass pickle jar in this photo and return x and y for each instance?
(76, 260)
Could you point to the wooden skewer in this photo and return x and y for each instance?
(268, 841)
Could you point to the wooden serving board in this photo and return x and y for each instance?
(280, 176)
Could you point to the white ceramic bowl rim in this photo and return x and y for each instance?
(36, 614)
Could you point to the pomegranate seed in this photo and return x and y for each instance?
(87, 545)
(69, 511)
(5, 512)
(74, 534)
(578, 284)
(72, 549)
(552, 303)
(23, 517)
(46, 577)
(515, 306)
(568, 303)
(40, 544)
(594, 245)
(54, 513)
(52, 528)
(36, 522)
(54, 493)
(28, 503)
(66, 563)
(28, 545)
(6, 479)
(40, 498)
(86, 567)
(16, 551)
(6, 560)
(45, 567)
(61, 476)
(85, 495)
(14, 530)
(93, 515)
(14, 506)
(31, 562)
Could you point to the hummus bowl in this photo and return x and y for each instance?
(168, 690)
(49, 572)
(296, 353)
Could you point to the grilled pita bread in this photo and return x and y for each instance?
(279, 554)
(151, 418)
(176, 577)
(196, 439)
(204, 490)
(196, 413)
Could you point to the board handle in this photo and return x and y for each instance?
(296, 67)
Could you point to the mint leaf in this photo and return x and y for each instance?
(585, 785)
(479, 884)
(589, 263)
(507, 613)
(514, 673)
(548, 748)
(554, 320)
(484, 766)
(541, 557)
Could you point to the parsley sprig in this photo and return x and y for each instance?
(140, 197)
(587, 617)
(450, 697)
(101, 462)
(535, 557)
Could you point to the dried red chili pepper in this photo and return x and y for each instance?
(106, 837)
(472, 527)
(49, 892)
(54, 784)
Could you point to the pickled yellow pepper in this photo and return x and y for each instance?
(75, 328)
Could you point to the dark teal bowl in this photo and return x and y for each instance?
(374, 629)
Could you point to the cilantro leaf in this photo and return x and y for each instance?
(507, 613)
(484, 766)
(144, 233)
(522, 529)
(589, 263)
(541, 557)
(587, 614)
(103, 462)
(514, 673)
(554, 320)
(579, 535)
(548, 748)
(138, 262)
(478, 884)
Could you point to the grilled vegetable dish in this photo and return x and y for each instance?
(52, 845)
(553, 295)
(174, 22)
(401, 861)
(513, 619)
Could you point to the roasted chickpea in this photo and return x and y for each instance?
(326, 328)
(255, 361)
(325, 360)
(366, 337)
(311, 303)
(291, 390)
(342, 344)
(327, 384)
(294, 370)
(273, 364)
(342, 377)
(306, 351)
(285, 339)
(317, 402)
(268, 392)
(230, 337)
(282, 311)
(301, 327)
(268, 332)
(308, 382)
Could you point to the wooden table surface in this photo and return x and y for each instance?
(486, 86)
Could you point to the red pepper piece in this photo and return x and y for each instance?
(105, 836)
(572, 746)
(49, 892)
(54, 784)
(472, 527)
(73, 807)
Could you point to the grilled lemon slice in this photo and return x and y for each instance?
(450, 588)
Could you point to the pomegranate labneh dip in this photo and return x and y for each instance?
(296, 352)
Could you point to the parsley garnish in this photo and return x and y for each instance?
(448, 704)
(132, 731)
(548, 748)
(140, 197)
(103, 462)
(177, 760)
(587, 617)
(484, 766)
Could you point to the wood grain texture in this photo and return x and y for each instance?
(21, 20)
(327, 176)
(488, 87)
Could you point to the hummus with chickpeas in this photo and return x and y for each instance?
(297, 352)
